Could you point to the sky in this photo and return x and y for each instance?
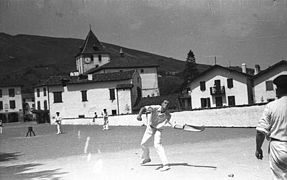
(233, 31)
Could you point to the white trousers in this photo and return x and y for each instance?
(149, 132)
(58, 128)
(278, 159)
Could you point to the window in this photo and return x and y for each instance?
(45, 91)
(230, 83)
(38, 92)
(84, 95)
(1, 105)
(58, 97)
(0, 92)
(114, 112)
(45, 105)
(231, 100)
(217, 84)
(38, 105)
(202, 85)
(11, 92)
(269, 86)
(12, 105)
(205, 102)
(112, 94)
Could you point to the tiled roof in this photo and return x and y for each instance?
(10, 82)
(119, 62)
(125, 86)
(103, 77)
(223, 68)
(91, 45)
(274, 66)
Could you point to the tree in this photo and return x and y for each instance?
(190, 70)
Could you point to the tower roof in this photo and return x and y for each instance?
(91, 45)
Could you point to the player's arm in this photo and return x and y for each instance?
(262, 130)
(142, 110)
(260, 136)
(160, 125)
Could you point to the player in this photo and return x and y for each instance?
(58, 123)
(106, 119)
(273, 125)
(159, 117)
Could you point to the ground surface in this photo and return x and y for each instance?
(87, 152)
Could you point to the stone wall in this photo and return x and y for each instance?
(247, 116)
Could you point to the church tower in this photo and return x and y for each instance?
(92, 54)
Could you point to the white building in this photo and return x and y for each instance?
(80, 97)
(41, 98)
(11, 105)
(264, 89)
(220, 86)
(94, 58)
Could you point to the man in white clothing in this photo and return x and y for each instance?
(58, 123)
(273, 125)
(158, 118)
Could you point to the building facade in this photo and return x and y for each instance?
(11, 105)
(77, 97)
(220, 86)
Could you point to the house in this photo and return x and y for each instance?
(221, 86)
(11, 105)
(264, 89)
(82, 96)
(93, 58)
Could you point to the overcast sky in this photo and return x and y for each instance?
(235, 31)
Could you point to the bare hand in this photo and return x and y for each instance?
(139, 118)
(259, 154)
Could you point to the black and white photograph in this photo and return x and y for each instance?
(143, 89)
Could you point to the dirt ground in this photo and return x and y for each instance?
(87, 152)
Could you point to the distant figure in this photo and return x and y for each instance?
(273, 126)
(30, 131)
(1, 126)
(95, 117)
(106, 119)
(58, 123)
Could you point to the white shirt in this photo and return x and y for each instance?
(157, 116)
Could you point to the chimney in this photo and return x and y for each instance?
(122, 52)
(90, 77)
(243, 67)
(257, 69)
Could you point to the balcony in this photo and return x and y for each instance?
(217, 90)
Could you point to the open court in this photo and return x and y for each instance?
(87, 152)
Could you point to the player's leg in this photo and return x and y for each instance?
(144, 144)
(160, 150)
(107, 126)
(58, 128)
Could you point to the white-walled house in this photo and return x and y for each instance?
(264, 89)
(94, 58)
(41, 98)
(220, 86)
(82, 96)
(11, 105)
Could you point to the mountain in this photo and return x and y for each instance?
(28, 58)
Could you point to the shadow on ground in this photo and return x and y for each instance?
(17, 172)
(183, 164)
(9, 156)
